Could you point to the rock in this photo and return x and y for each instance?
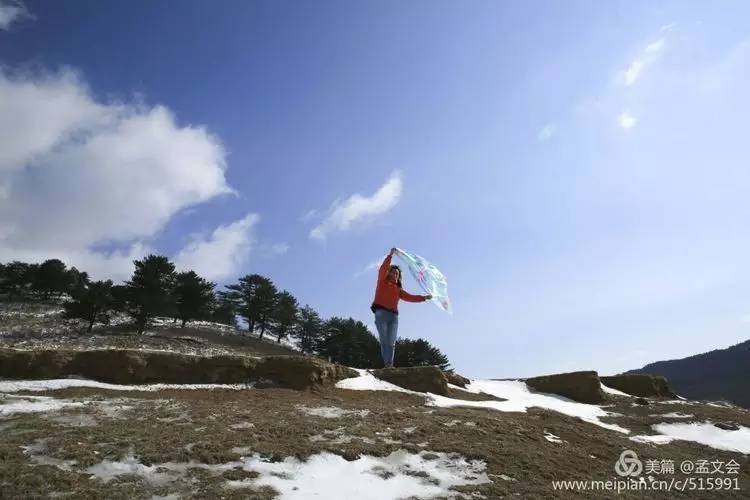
(648, 386)
(641, 401)
(301, 372)
(727, 426)
(456, 379)
(416, 378)
(143, 367)
(583, 387)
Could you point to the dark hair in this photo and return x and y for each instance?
(399, 274)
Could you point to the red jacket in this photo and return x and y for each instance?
(387, 293)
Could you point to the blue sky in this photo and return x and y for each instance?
(578, 170)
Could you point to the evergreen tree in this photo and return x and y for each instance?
(265, 304)
(223, 311)
(311, 329)
(284, 315)
(91, 302)
(419, 353)
(149, 289)
(51, 278)
(17, 278)
(120, 295)
(255, 298)
(193, 296)
(350, 343)
(76, 281)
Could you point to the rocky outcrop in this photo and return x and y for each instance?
(647, 386)
(583, 387)
(143, 367)
(301, 372)
(416, 378)
(456, 379)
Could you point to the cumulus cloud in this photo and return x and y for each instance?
(10, 12)
(642, 61)
(547, 132)
(357, 208)
(76, 173)
(223, 253)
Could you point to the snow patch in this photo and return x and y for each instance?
(610, 390)
(36, 453)
(518, 398)
(65, 383)
(673, 415)
(551, 437)
(36, 405)
(399, 475)
(516, 393)
(331, 412)
(368, 382)
(705, 433)
(242, 425)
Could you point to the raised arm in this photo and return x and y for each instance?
(385, 266)
(411, 298)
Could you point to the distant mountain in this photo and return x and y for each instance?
(720, 374)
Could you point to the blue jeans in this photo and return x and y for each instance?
(387, 324)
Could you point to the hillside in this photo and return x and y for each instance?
(33, 325)
(205, 413)
(722, 374)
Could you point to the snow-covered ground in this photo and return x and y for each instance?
(9, 386)
(401, 474)
(516, 392)
(700, 432)
(10, 405)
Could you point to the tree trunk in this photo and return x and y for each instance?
(183, 322)
(91, 325)
(142, 320)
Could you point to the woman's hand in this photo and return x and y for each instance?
(393, 250)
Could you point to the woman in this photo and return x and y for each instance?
(385, 306)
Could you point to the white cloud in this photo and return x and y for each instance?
(76, 172)
(116, 265)
(309, 215)
(547, 132)
(222, 254)
(626, 120)
(642, 61)
(11, 12)
(369, 267)
(357, 208)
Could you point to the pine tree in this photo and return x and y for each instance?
(149, 290)
(51, 277)
(284, 315)
(193, 296)
(17, 278)
(311, 329)
(91, 302)
(349, 342)
(254, 297)
(76, 280)
(419, 353)
(223, 311)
